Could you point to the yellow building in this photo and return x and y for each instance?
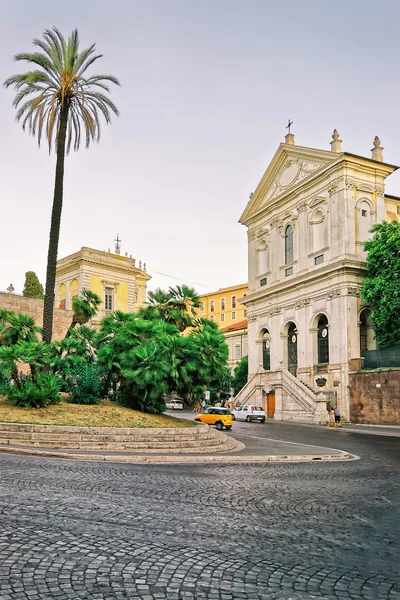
(392, 208)
(236, 338)
(116, 279)
(223, 306)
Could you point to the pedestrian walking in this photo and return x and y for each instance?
(337, 417)
(203, 405)
(331, 418)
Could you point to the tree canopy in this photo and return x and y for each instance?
(137, 359)
(32, 288)
(381, 288)
(240, 375)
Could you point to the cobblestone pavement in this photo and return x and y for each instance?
(83, 530)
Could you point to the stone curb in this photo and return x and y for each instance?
(137, 459)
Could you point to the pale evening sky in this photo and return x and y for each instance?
(207, 89)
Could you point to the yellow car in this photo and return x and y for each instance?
(220, 417)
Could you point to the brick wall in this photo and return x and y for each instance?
(34, 308)
(375, 397)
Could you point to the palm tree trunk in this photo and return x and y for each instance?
(55, 227)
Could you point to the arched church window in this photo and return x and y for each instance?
(288, 245)
(366, 331)
(323, 340)
(62, 296)
(266, 351)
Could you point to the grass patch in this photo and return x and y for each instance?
(105, 414)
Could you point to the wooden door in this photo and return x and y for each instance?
(270, 405)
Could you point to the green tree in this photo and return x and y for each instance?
(32, 288)
(381, 288)
(19, 341)
(59, 100)
(76, 349)
(241, 374)
(147, 359)
(85, 308)
(209, 353)
(17, 327)
(176, 306)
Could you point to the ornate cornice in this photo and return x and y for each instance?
(333, 188)
(302, 302)
(353, 291)
(350, 184)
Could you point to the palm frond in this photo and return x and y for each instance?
(56, 81)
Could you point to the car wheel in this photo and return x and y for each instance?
(248, 419)
(219, 425)
(233, 418)
(262, 420)
(198, 420)
(228, 426)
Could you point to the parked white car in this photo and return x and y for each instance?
(174, 404)
(248, 413)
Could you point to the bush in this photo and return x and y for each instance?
(4, 383)
(41, 392)
(85, 384)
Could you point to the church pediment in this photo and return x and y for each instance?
(290, 166)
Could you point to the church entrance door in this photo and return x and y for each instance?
(270, 405)
(292, 349)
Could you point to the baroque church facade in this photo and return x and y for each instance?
(307, 222)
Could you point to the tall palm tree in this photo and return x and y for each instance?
(58, 100)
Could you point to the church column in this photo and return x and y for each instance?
(252, 345)
(252, 259)
(68, 301)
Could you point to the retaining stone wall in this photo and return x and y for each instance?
(34, 308)
(375, 397)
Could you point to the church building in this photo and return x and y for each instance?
(307, 222)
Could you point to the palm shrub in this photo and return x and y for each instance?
(34, 393)
(110, 345)
(148, 358)
(175, 306)
(85, 308)
(209, 353)
(79, 348)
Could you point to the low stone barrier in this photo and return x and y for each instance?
(199, 439)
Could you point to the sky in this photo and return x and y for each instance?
(207, 88)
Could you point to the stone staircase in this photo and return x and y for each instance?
(294, 401)
(198, 439)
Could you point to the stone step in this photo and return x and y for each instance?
(230, 445)
(112, 446)
(75, 437)
(199, 439)
(198, 430)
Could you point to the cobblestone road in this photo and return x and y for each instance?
(83, 530)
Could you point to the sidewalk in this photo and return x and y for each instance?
(370, 429)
